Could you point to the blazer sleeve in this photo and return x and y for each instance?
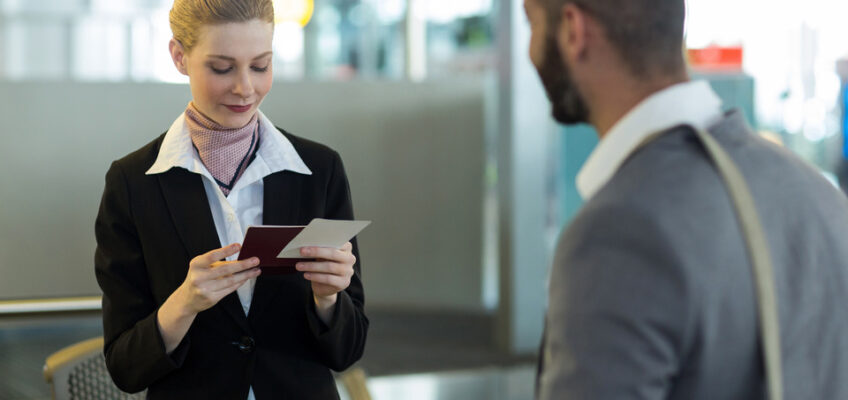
(342, 341)
(619, 304)
(134, 349)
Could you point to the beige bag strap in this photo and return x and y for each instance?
(758, 251)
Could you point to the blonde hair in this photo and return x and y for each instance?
(188, 16)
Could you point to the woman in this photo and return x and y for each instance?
(181, 318)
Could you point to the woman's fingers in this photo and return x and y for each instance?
(210, 279)
(225, 268)
(338, 282)
(325, 267)
(343, 255)
(211, 257)
(224, 286)
(333, 270)
(221, 269)
(211, 291)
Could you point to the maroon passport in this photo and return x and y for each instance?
(266, 242)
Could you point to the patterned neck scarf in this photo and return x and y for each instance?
(225, 152)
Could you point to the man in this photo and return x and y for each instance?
(652, 293)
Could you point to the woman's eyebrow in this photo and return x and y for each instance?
(228, 58)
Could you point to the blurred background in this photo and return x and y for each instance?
(447, 140)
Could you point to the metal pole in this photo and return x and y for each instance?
(416, 41)
(524, 126)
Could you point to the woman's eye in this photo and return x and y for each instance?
(220, 71)
(260, 69)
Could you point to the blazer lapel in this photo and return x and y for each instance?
(280, 206)
(190, 213)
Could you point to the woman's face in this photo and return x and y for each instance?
(229, 70)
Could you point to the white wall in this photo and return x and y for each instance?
(413, 152)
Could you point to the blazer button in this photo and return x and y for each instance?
(246, 344)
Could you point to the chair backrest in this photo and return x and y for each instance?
(354, 382)
(79, 372)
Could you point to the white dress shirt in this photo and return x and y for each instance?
(692, 103)
(243, 207)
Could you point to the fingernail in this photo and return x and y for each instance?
(255, 261)
(307, 250)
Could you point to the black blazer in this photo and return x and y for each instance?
(148, 229)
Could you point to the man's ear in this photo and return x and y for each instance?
(178, 55)
(572, 35)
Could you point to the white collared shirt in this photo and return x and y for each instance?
(692, 103)
(243, 207)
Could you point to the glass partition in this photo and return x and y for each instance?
(103, 40)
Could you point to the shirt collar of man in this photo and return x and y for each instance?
(692, 103)
(276, 153)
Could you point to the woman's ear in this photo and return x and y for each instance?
(178, 54)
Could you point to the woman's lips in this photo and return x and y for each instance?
(239, 109)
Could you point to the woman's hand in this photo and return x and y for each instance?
(330, 274)
(209, 279)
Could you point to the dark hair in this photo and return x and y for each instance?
(648, 34)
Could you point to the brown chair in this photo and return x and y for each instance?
(78, 372)
(354, 382)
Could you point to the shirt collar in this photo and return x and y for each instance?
(275, 151)
(692, 103)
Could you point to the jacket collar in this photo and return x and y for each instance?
(691, 103)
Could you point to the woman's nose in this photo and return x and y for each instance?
(243, 86)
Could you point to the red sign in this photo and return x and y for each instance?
(716, 58)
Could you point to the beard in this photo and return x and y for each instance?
(567, 105)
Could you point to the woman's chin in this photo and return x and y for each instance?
(235, 121)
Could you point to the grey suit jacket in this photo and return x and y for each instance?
(651, 292)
